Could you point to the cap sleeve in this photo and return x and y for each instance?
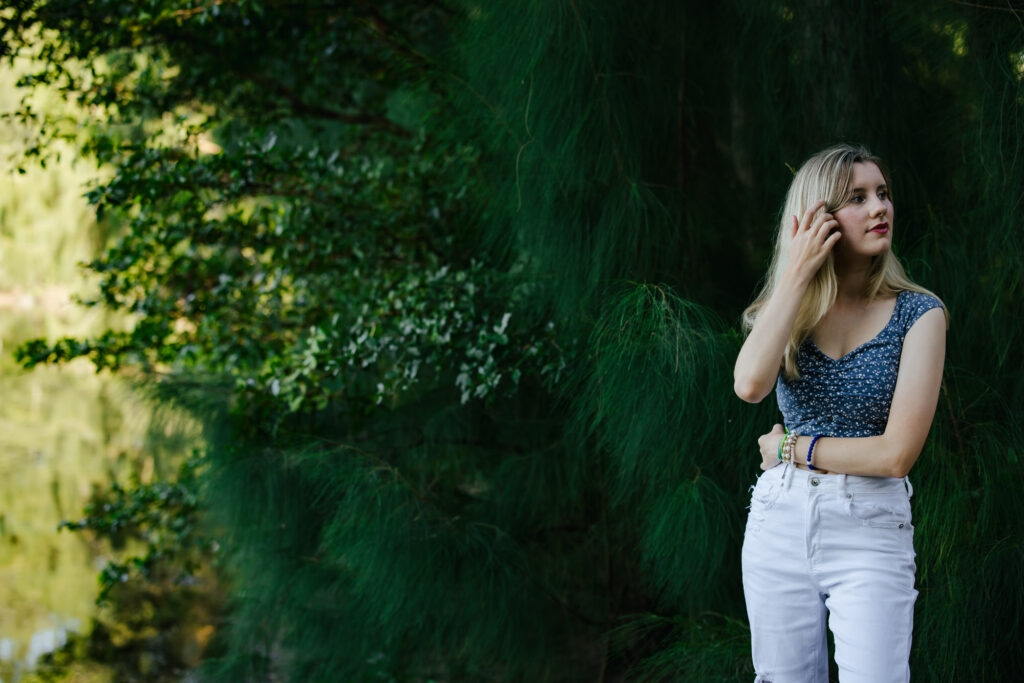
(912, 306)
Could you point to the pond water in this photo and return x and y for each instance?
(63, 433)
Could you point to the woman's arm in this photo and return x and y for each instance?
(760, 357)
(893, 453)
(759, 360)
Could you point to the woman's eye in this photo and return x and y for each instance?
(856, 199)
(883, 195)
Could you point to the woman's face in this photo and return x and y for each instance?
(865, 220)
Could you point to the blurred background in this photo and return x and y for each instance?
(66, 434)
(393, 340)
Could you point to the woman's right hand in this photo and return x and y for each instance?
(810, 242)
(760, 358)
(770, 445)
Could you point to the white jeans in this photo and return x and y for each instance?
(836, 544)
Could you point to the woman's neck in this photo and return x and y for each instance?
(852, 274)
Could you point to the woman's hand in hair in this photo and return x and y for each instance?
(760, 358)
(810, 242)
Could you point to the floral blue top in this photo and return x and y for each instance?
(850, 396)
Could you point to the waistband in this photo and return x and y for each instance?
(794, 476)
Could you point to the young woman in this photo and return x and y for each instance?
(854, 351)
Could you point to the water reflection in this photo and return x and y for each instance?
(62, 433)
(42, 643)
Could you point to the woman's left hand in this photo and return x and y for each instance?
(769, 445)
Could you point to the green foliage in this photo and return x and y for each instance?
(363, 571)
(159, 591)
(710, 648)
(660, 435)
(309, 258)
(162, 516)
(393, 240)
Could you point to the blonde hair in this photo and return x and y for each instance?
(826, 175)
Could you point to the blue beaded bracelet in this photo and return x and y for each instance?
(810, 452)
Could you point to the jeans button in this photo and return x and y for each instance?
(814, 481)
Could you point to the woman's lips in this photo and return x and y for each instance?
(881, 228)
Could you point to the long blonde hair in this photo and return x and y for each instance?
(826, 175)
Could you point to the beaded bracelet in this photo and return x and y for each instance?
(810, 451)
(791, 440)
(787, 447)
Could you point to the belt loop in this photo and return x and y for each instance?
(786, 481)
(910, 487)
(841, 486)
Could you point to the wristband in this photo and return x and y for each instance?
(810, 452)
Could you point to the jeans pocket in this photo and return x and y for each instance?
(880, 510)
